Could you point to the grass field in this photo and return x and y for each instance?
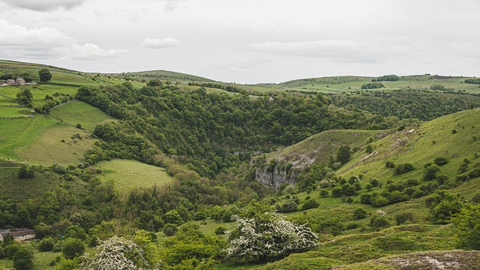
(48, 147)
(433, 139)
(82, 113)
(354, 83)
(17, 132)
(129, 174)
(14, 111)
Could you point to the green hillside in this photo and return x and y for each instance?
(354, 178)
(354, 83)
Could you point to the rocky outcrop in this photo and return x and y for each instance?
(275, 178)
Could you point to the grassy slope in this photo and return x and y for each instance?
(129, 173)
(17, 132)
(79, 112)
(437, 141)
(353, 83)
(14, 111)
(317, 148)
(47, 148)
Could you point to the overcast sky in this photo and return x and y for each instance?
(246, 41)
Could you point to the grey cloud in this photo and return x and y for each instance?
(44, 5)
(18, 41)
(152, 43)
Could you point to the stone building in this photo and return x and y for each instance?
(20, 81)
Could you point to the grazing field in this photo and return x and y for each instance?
(129, 174)
(79, 112)
(14, 111)
(48, 147)
(354, 83)
(17, 132)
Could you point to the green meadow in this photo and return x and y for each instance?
(129, 174)
(78, 112)
(58, 144)
(18, 132)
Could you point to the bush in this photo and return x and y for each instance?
(251, 236)
(288, 206)
(378, 222)
(309, 204)
(440, 161)
(359, 213)
(336, 192)
(331, 225)
(220, 230)
(170, 229)
(467, 229)
(60, 169)
(349, 200)
(324, 193)
(430, 172)
(72, 248)
(352, 225)
(46, 244)
(403, 217)
(374, 182)
(2, 253)
(365, 198)
(200, 216)
(23, 259)
(390, 164)
(369, 186)
(10, 250)
(403, 168)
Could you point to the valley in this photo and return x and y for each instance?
(353, 178)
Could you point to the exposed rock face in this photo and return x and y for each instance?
(275, 178)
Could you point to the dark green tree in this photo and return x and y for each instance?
(72, 248)
(23, 259)
(45, 75)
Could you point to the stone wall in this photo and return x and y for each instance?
(275, 178)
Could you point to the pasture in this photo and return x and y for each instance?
(79, 112)
(17, 132)
(57, 144)
(129, 174)
(14, 111)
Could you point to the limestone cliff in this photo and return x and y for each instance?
(275, 178)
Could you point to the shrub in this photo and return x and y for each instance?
(369, 186)
(330, 225)
(288, 206)
(349, 200)
(380, 201)
(352, 225)
(251, 236)
(403, 217)
(359, 213)
(46, 244)
(72, 248)
(200, 216)
(440, 161)
(324, 193)
(309, 204)
(403, 168)
(10, 250)
(467, 229)
(441, 178)
(378, 222)
(430, 172)
(220, 230)
(374, 182)
(23, 259)
(173, 229)
(116, 253)
(390, 164)
(2, 253)
(336, 192)
(365, 198)
(60, 169)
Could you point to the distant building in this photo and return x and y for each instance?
(20, 234)
(20, 81)
(10, 82)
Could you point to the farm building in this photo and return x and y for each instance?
(20, 234)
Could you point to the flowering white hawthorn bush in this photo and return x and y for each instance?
(115, 253)
(268, 235)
